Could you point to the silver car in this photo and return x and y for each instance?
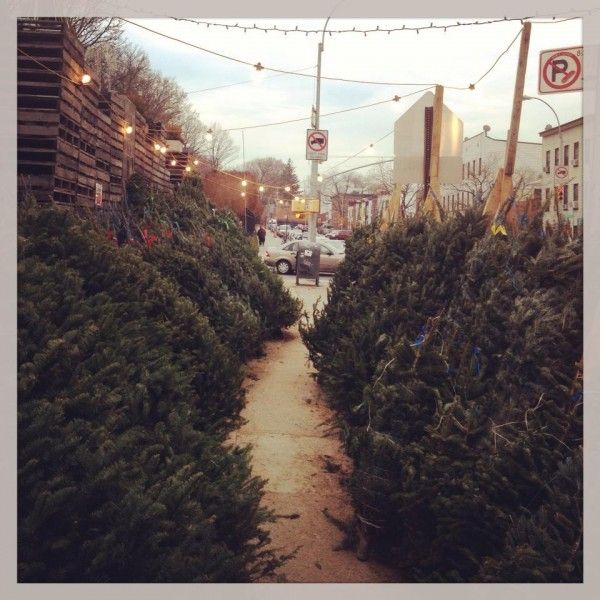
(284, 258)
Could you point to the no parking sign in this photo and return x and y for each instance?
(561, 70)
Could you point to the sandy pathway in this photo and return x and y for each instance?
(285, 415)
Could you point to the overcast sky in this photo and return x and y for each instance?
(456, 57)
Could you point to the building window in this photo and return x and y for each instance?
(473, 167)
(537, 198)
(576, 152)
(548, 161)
(480, 166)
(565, 197)
(547, 206)
(556, 156)
(566, 155)
(575, 196)
(463, 171)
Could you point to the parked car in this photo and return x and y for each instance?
(341, 234)
(284, 259)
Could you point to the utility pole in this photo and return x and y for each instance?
(431, 205)
(501, 198)
(314, 168)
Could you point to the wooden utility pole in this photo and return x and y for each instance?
(432, 205)
(501, 197)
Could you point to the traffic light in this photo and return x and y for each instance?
(560, 194)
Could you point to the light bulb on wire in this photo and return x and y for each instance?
(128, 129)
(173, 162)
(261, 188)
(258, 74)
(287, 188)
(244, 183)
(243, 194)
(157, 146)
(163, 150)
(85, 79)
(188, 168)
(196, 162)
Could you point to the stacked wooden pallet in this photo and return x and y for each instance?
(77, 145)
(48, 118)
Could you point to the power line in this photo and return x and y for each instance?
(337, 112)
(261, 67)
(226, 85)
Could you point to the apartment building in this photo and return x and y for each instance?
(483, 155)
(561, 186)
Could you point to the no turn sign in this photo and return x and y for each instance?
(561, 70)
(561, 172)
(316, 144)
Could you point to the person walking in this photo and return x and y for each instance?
(261, 234)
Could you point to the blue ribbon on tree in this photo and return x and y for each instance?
(420, 338)
(578, 395)
(476, 351)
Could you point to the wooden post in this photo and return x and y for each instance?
(499, 199)
(432, 205)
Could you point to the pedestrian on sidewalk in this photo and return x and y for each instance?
(261, 234)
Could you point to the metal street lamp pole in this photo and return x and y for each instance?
(314, 169)
(560, 136)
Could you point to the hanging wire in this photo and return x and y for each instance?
(226, 85)
(283, 71)
(377, 29)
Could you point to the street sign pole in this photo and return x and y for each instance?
(314, 167)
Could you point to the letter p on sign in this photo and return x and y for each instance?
(561, 70)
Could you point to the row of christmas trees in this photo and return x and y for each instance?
(455, 360)
(132, 332)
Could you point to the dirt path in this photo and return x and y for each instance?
(285, 415)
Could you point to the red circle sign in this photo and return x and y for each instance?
(561, 70)
(561, 172)
(317, 141)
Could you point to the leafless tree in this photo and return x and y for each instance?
(96, 30)
(221, 150)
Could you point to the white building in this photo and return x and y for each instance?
(569, 160)
(482, 157)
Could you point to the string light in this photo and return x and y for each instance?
(85, 79)
(244, 62)
(377, 29)
(287, 188)
(244, 183)
(128, 129)
(196, 162)
(261, 188)
(173, 162)
(188, 168)
(163, 150)
(243, 194)
(157, 146)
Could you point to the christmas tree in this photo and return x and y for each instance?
(454, 359)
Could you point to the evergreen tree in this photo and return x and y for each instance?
(453, 358)
(126, 396)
